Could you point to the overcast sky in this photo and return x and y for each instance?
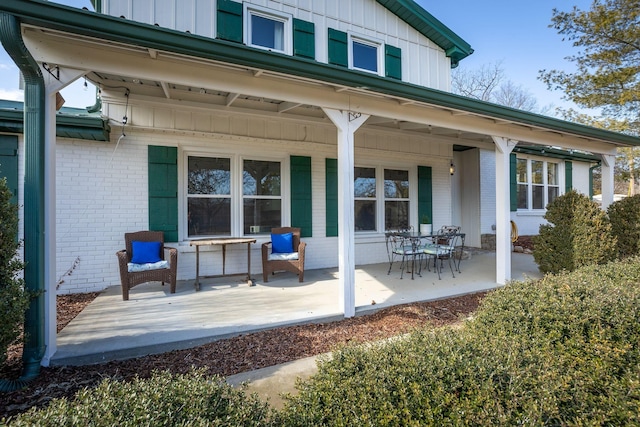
(514, 33)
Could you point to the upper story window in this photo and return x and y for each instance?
(366, 54)
(266, 29)
(538, 183)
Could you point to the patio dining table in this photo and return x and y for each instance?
(224, 241)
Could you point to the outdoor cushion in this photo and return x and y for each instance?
(134, 268)
(145, 252)
(283, 257)
(282, 243)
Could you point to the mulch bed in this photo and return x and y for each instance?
(229, 356)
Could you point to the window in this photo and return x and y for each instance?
(396, 199)
(365, 199)
(538, 183)
(267, 29)
(212, 197)
(390, 204)
(366, 54)
(209, 196)
(262, 201)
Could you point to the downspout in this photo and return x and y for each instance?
(34, 141)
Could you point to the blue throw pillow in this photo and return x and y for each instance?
(145, 252)
(282, 243)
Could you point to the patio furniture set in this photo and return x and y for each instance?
(145, 259)
(414, 249)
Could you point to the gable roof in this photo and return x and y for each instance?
(409, 11)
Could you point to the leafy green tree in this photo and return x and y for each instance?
(13, 298)
(607, 71)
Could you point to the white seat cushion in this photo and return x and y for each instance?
(134, 268)
(283, 257)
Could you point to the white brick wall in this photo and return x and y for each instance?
(487, 191)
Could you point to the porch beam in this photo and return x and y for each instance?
(165, 89)
(503, 150)
(347, 123)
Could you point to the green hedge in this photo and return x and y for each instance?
(578, 234)
(163, 400)
(624, 216)
(561, 351)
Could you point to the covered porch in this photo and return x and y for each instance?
(155, 321)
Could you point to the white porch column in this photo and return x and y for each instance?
(53, 84)
(608, 162)
(504, 147)
(347, 123)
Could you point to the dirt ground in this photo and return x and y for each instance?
(230, 356)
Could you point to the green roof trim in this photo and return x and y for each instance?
(413, 14)
(556, 153)
(64, 18)
(73, 123)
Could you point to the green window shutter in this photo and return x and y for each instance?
(163, 191)
(9, 163)
(304, 41)
(568, 176)
(338, 48)
(513, 181)
(229, 20)
(425, 192)
(301, 200)
(331, 188)
(393, 62)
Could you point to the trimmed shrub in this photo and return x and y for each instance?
(561, 351)
(14, 300)
(578, 234)
(163, 400)
(624, 216)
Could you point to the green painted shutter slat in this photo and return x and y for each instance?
(304, 40)
(331, 189)
(568, 176)
(425, 192)
(591, 182)
(301, 197)
(9, 163)
(163, 191)
(513, 181)
(393, 62)
(229, 20)
(338, 48)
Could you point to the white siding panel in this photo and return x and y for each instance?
(423, 62)
(581, 177)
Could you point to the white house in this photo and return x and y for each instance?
(226, 118)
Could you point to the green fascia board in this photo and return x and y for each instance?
(70, 122)
(555, 153)
(64, 18)
(427, 25)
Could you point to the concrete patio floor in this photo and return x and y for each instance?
(155, 321)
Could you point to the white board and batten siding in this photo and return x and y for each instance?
(423, 62)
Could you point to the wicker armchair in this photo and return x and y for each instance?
(131, 279)
(271, 264)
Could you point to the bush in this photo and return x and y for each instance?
(578, 234)
(162, 400)
(625, 225)
(561, 351)
(14, 300)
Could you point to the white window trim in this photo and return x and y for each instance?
(237, 196)
(380, 198)
(251, 10)
(370, 41)
(560, 179)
